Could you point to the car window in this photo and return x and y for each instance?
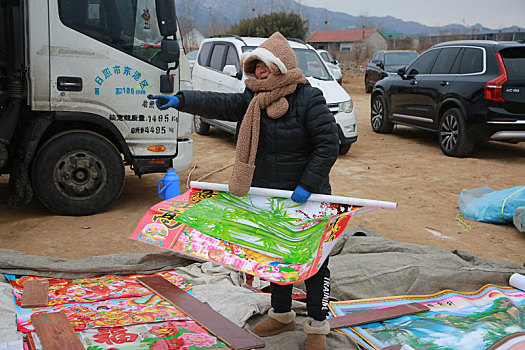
(232, 58)
(192, 55)
(204, 53)
(328, 57)
(445, 60)
(514, 61)
(108, 21)
(423, 63)
(472, 61)
(457, 62)
(399, 58)
(217, 56)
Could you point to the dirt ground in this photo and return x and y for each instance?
(406, 167)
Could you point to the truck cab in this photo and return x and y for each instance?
(74, 80)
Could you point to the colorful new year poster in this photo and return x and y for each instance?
(263, 233)
(87, 290)
(96, 305)
(456, 320)
(182, 335)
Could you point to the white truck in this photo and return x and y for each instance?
(74, 76)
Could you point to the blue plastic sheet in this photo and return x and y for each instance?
(487, 205)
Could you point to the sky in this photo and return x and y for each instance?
(494, 14)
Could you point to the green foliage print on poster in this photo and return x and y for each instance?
(272, 230)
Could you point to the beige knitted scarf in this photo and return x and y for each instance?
(270, 95)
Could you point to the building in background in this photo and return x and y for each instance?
(350, 47)
(348, 40)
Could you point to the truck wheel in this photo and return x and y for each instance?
(201, 127)
(344, 148)
(379, 115)
(453, 134)
(78, 173)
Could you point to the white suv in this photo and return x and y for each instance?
(218, 69)
(332, 64)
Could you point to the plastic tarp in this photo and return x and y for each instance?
(488, 205)
(363, 265)
(519, 219)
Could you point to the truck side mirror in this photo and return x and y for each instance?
(167, 17)
(170, 51)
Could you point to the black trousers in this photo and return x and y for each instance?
(317, 294)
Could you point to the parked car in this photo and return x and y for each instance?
(218, 69)
(385, 63)
(332, 64)
(465, 91)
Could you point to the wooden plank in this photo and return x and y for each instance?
(376, 315)
(393, 347)
(55, 331)
(202, 313)
(508, 341)
(35, 293)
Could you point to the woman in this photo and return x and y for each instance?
(287, 140)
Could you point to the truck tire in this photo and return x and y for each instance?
(78, 173)
(201, 127)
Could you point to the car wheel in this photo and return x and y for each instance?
(368, 88)
(78, 173)
(201, 127)
(453, 134)
(379, 115)
(344, 148)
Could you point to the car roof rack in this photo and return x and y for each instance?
(229, 36)
(298, 41)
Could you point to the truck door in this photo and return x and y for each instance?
(104, 61)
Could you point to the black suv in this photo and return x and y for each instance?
(385, 63)
(466, 91)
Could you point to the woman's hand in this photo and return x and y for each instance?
(300, 195)
(165, 101)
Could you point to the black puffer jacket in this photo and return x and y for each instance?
(297, 149)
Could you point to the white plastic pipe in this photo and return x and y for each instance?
(271, 192)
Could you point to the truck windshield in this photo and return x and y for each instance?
(128, 25)
(309, 62)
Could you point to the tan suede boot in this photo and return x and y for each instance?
(316, 337)
(275, 323)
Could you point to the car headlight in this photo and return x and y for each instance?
(346, 107)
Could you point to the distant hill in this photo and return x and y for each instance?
(210, 16)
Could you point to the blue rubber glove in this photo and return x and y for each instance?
(300, 195)
(165, 101)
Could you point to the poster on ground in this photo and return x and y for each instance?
(456, 320)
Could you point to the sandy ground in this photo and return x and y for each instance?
(406, 167)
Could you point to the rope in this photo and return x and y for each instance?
(463, 224)
(505, 200)
(206, 175)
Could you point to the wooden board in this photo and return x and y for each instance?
(369, 316)
(55, 331)
(226, 330)
(35, 293)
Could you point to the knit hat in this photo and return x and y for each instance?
(270, 94)
(275, 52)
